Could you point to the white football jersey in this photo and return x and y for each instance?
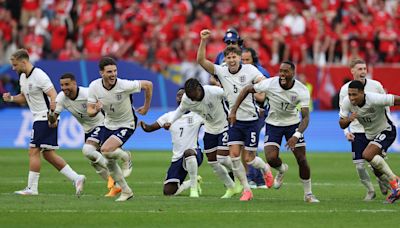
(234, 83)
(373, 115)
(371, 86)
(184, 132)
(78, 108)
(211, 109)
(116, 102)
(34, 87)
(283, 102)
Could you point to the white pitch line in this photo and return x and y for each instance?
(190, 211)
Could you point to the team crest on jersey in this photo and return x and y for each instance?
(84, 106)
(210, 106)
(293, 98)
(242, 78)
(371, 110)
(30, 86)
(119, 97)
(190, 120)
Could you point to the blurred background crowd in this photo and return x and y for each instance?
(159, 33)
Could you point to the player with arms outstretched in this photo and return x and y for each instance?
(187, 155)
(114, 96)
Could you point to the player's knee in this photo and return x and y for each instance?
(271, 158)
(188, 153)
(170, 189)
(106, 150)
(88, 150)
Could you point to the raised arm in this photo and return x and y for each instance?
(243, 94)
(345, 122)
(201, 52)
(147, 86)
(19, 99)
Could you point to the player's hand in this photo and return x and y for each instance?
(353, 116)
(166, 126)
(291, 143)
(143, 110)
(7, 97)
(232, 118)
(144, 126)
(350, 137)
(98, 106)
(205, 34)
(53, 125)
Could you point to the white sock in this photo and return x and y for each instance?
(380, 164)
(93, 155)
(364, 176)
(221, 172)
(191, 167)
(307, 186)
(225, 161)
(33, 180)
(69, 173)
(258, 163)
(280, 168)
(101, 171)
(185, 185)
(116, 174)
(239, 172)
(121, 154)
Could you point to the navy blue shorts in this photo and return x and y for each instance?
(96, 135)
(177, 170)
(42, 136)
(385, 139)
(358, 146)
(215, 142)
(244, 133)
(274, 135)
(121, 134)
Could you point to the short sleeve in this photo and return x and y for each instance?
(59, 103)
(304, 98)
(344, 108)
(218, 70)
(43, 82)
(130, 86)
(92, 99)
(165, 118)
(262, 86)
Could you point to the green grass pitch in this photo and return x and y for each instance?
(334, 178)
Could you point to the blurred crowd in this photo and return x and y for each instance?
(159, 33)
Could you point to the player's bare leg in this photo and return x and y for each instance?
(58, 162)
(304, 173)
(273, 159)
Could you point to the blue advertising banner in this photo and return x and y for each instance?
(322, 135)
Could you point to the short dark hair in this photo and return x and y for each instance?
(191, 84)
(356, 84)
(68, 75)
(253, 53)
(20, 54)
(354, 62)
(291, 64)
(105, 61)
(232, 49)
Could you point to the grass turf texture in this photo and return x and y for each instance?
(334, 178)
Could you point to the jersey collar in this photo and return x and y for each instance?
(294, 81)
(27, 75)
(111, 86)
(77, 93)
(240, 67)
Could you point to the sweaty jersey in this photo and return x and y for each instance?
(211, 109)
(34, 87)
(283, 102)
(116, 102)
(373, 115)
(184, 132)
(234, 83)
(78, 108)
(371, 86)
